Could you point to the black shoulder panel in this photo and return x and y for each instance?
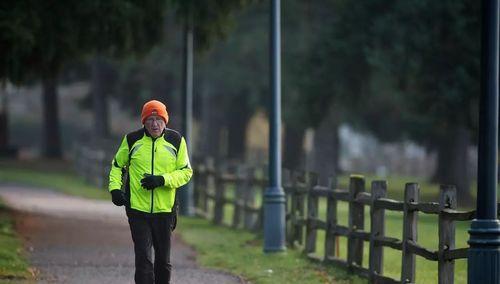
(173, 137)
(133, 137)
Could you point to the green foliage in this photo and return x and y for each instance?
(234, 67)
(120, 27)
(334, 73)
(17, 39)
(159, 73)
(68, 31)
(404, 68)
(210, 19)
(305, 102)
(432, 48)
(39, 37)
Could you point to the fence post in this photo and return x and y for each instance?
(410, 219)
(312, 216)
(219, 199)
(300, 208)
(294, 210)
(197, 185)
(289, 189)
(241, 185)
(446, 268)
(377, 229)
(331, 221)
(299, 179)
(356, 221)
(259, 224)
(249, 218)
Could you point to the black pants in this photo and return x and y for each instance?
(147, 233)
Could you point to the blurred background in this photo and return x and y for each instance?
(384, 88)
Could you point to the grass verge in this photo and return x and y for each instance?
(13, 264)
(240, 253)
(49, 174)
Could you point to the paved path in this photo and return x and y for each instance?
(77, 240)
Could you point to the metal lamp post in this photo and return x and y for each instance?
(274, 197)
(484, 252)
(186, 192)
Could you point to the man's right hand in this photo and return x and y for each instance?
(118, 197)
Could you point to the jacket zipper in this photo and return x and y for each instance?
(152, 172)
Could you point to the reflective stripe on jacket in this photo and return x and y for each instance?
(146, 155)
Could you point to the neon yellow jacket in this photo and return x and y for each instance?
(141, 154)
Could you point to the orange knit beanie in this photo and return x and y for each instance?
(154, 107)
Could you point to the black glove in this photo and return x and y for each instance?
(150, 181)
(118, 197)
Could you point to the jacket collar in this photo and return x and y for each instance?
(149, 135)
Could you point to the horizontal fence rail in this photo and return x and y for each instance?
(211, 196)
(237, 189)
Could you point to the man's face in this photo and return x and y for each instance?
(155, 125)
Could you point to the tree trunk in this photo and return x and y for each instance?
(237, 121)
(99, 98)
(52, 138)
(4, 123)
(210, 124)
(326, 149)
(293, 156)
(237, 126)
(453, 162)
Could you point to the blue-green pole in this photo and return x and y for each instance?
(274, 197)
(484, 252)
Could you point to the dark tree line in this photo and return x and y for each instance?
(409, 70)
(38, 38)
(395, 69)
(51, 34)
(399, 70)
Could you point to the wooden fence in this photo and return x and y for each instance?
(211, 195)
(239, 189)
(92, 161)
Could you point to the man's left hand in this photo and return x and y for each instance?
(150, 181)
